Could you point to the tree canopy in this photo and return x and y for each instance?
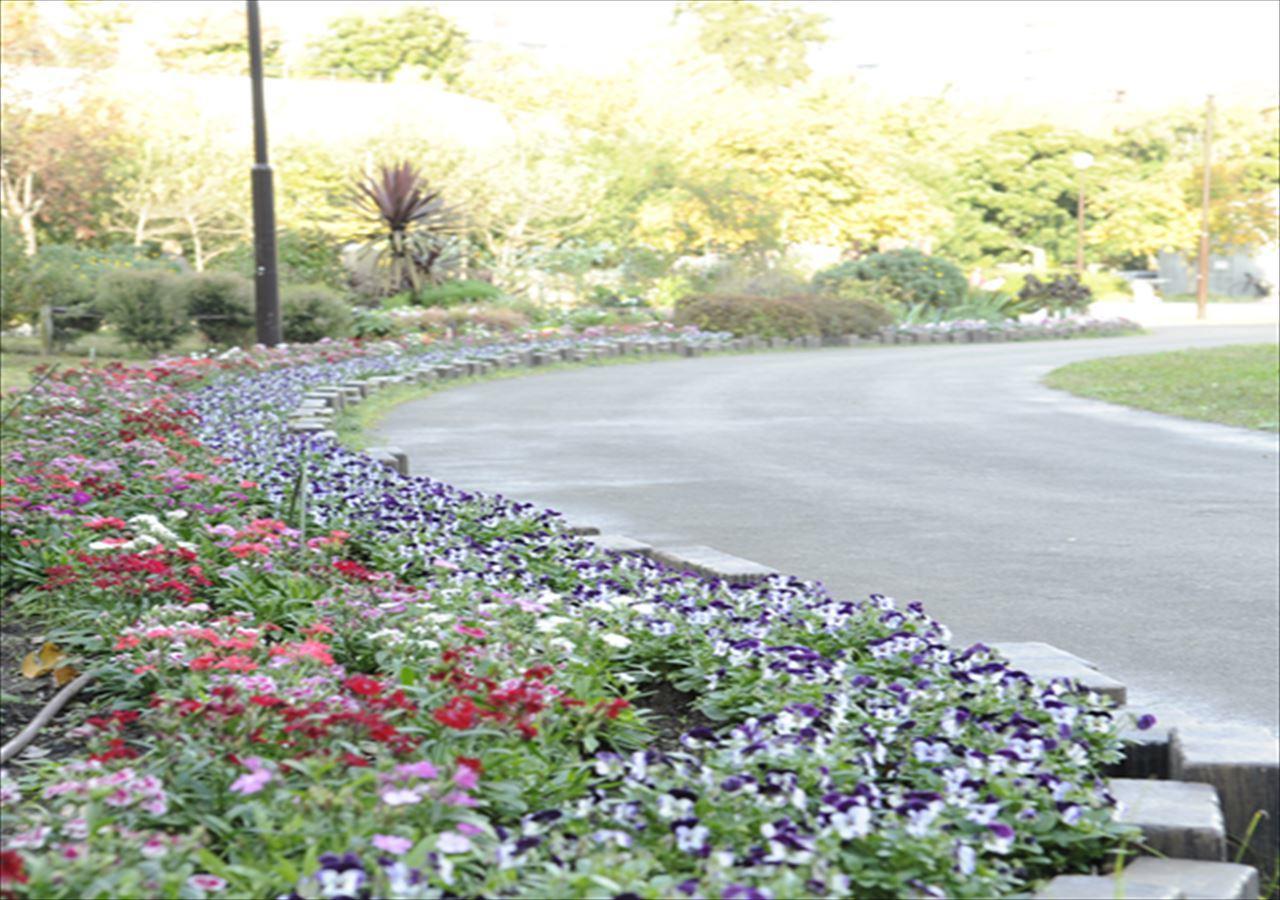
(378, 48)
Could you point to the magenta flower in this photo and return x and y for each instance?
(421, 769)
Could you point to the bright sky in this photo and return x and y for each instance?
(1034, 50)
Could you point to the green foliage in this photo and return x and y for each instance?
(378, 48)
(66, 278)
(222, 303)
(15, 267)
(312, 312)
(217, 42)
(303, 256)
(146, 306)
(374, 323)
(1061, 294)
(760, 45)
(457, 293)
(911, 277)
(766, 317)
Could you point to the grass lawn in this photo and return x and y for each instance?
(1237, 385)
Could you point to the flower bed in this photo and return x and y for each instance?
(968, 330)
(317, 678)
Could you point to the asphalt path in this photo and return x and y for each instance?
(945, 473)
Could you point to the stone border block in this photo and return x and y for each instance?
(1177, 818)
(392, 457)
(1044, 662)
(1146, 755)
(1197, 879)
(711, 563)
(1243, 764)
(617, 543)
(1100, 887)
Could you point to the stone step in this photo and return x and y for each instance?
(617, 543)
(711, 563)
(392, 457)
(1243, 764)
(1177, 818)
(1044, 662)
(307, 426)
(1197, 879)
(1146, 754)
(1103, 887)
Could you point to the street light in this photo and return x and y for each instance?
(265, 284)
(1081, 161)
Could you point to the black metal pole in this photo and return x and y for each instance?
(266, 286)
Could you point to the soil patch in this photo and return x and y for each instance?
(672, 712)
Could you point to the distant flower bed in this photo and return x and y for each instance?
(322, 679)
(961, 330)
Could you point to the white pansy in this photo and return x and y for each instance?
(551, 623)
(616, 640)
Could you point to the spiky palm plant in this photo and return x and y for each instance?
(414, 242)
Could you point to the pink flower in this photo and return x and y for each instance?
(251, 783)
(392, 843)
(469, 631)
(206, 882)
(468, 828)
(155, 847)
(466, 778)
(458, 798)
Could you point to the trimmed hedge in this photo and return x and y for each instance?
(784, 317)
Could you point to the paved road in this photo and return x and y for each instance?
(943, 473)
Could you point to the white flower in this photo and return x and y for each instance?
(644, 609)
(176, 515)
(452, 842)
(551, 623)
(616, 640)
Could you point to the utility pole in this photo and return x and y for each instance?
(1202, 285)
(266, 286)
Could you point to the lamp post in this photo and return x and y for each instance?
(266, 287)
(1081, 161)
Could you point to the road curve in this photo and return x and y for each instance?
(945, 473)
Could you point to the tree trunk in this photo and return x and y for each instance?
(197, 248)
(140, 228)
(21, 203)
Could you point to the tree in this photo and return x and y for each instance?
(74, 33)
(216, 42)
(58, 169)
(376, 49)
(759, 45)
(183, 182)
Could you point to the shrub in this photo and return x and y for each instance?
(767, 317)
(488, 319)
(222, 304)
(838, 316)
(146, 307)
(1062, 294)
(15, 269)
(912, 277)
(312, 312)
(458, 293)
(375, 323)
